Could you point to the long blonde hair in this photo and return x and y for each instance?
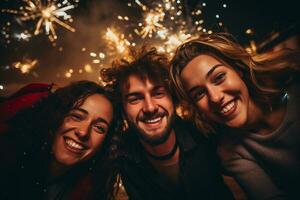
(265, 75)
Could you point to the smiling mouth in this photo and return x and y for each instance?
(74, 146)
(229, 108)
(153, 121)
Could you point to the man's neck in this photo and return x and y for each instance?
(165, 157)
(161, 149)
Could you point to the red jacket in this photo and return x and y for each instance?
(23, 98)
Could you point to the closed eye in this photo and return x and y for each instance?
(76, 117)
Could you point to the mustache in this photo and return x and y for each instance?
(144, 117)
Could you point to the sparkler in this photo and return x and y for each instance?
(47, 14)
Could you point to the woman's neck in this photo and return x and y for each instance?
(56, 170)
(265, 122)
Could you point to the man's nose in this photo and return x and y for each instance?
(150, 105)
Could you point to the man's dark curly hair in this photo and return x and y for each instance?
(143, 62)
(33, 132)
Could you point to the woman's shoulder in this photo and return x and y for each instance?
(230, 146)
(226, 148)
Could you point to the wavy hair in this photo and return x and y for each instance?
(145, 63)
(266, 75)
(33, 132)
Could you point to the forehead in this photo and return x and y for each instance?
(204, 60)
(98, 106)
(136, 83)
(198, 70)
(199, 66)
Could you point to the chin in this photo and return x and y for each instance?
(67, 161)
(236, 123)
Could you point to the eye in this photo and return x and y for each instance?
(100, 128)
(159, 94)
(76, 116)
(197, 95)
(133, 100)
(219, 78)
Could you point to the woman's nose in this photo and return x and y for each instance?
(82, 131)
(215, 95)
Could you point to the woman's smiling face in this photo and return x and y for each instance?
(83, 131)
(217, 90)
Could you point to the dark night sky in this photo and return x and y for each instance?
(93, 16)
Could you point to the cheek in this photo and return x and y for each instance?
(131, 111)
(67, 124)
(57, 144)
(169, 105)
(235, 82)
(203, 105)
(97, 141)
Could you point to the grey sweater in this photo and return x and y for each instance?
(267, 167)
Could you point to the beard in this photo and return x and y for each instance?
(159, 137)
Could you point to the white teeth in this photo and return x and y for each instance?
(73, 144)
(227, 107)
(150, 121)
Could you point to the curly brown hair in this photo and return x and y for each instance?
(145, 63)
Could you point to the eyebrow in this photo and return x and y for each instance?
(213, 69)
(100, 119)
(155, 88)
(132, 94)
(206, 76)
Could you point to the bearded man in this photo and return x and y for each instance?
(164, 157)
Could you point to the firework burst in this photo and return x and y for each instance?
(153, 23)
(46, 15)
(25, 66)
(116, 40)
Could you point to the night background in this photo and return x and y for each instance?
(67, 40)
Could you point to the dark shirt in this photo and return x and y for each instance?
(199, 169)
